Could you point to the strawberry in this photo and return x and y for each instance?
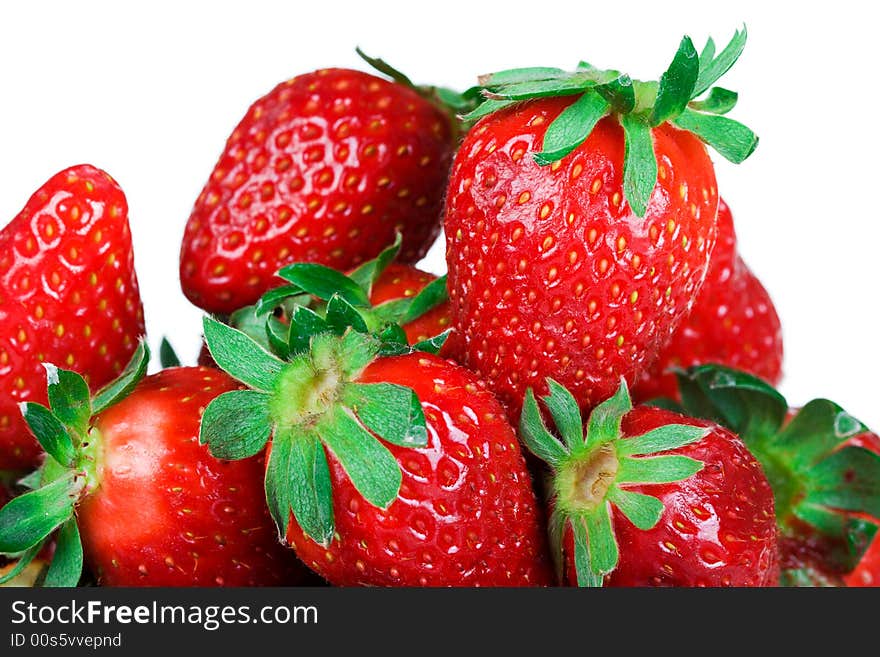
(68, 294)
(822, 464)
(131, 493)
(580, 218)
(387, 466)
(867, 570)
(647, 497)
(324, 168)
(733, 322)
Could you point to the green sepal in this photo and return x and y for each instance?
(603, 425)
(566, 414)
(236, 424)
(535, 435)
(278, 336)
(583, 563)
(815, 433)
(428, 298)
(29, 518)
(373, 470)
(434, 344)
(719, 101)
(131, 375)
(391, 411)
(68, 397)
(304, 324)
(556, 528)
(677, 83)
(357, 350)
(298, 481)
(368, 273)
(643, 511)
(734, 141)
(22, 562)
(67, 561)
(565, 86)
(240, 357)
(394, 341)
(639, 163)
(657, 469)
(324, 282)
(604, 553)
(486, 108)
(661, 439)
(619, 93)
(274, 298)
(572, 127)
(49, 432)
(712, 67)
(518, 75)
(848, 479)
(31, 480)
(341, 315)
(167, 356)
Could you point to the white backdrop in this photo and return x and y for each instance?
(150, 91)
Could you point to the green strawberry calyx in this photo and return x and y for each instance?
(824, 486)
(327, 299)
(639, 106)
(309, 400)
(70, 471)
(592, 466)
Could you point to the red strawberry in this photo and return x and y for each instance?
(580, 218)
(733, 322)
(822, 464)
(646, 497)
(413, 477)
(324, 168)
(68, 294)
(151, 506)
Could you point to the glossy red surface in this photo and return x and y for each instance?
(167, 513)
(466, 514)
(324, 168)
(550, 271)
(68, 295)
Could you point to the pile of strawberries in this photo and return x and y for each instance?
(586, 398)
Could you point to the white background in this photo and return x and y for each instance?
(149, 92)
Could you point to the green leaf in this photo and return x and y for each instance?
(566, 414)
(392, 411)
(817, 430)
(368, 273)
(428, 298)
(305, 324)
(394, 341)
(67, 562)
(167, 355)
(712, 68)
(572, 127)
(356, 351)
(324, 282)
(69, 397)
(534, 434)
(278, 335)
(31, 480)
(661, 439)
(556, 526)
(49, 432)
(272, 299)
(541, 88)
(341, 315)
(619, 93)
(604, 554)
(486, 108)
(657, 469)
(22, 562)
(29, 518)
(639, 163)
(603, 425)
(586, 576)
(372, 469)
(517, 75)
(734, 141)
(236, 424)
(384, 67)
(719, 101)
(434, 344)
(119, 388)
(677, 83)
(240, 357)
(848, 479)
(643, 511)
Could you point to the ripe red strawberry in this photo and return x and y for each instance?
(733, 322)
(822, 464)
(391, 470)
(324, 168)
(68, 294)
(647, 497)
(580, 217)
(867, 570)
(132, 493)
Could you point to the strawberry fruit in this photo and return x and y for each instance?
(68, 294)
(733, 322)
(324, 168)
(646, 497)
(131, 493)
(387, 466)
(580, 218)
